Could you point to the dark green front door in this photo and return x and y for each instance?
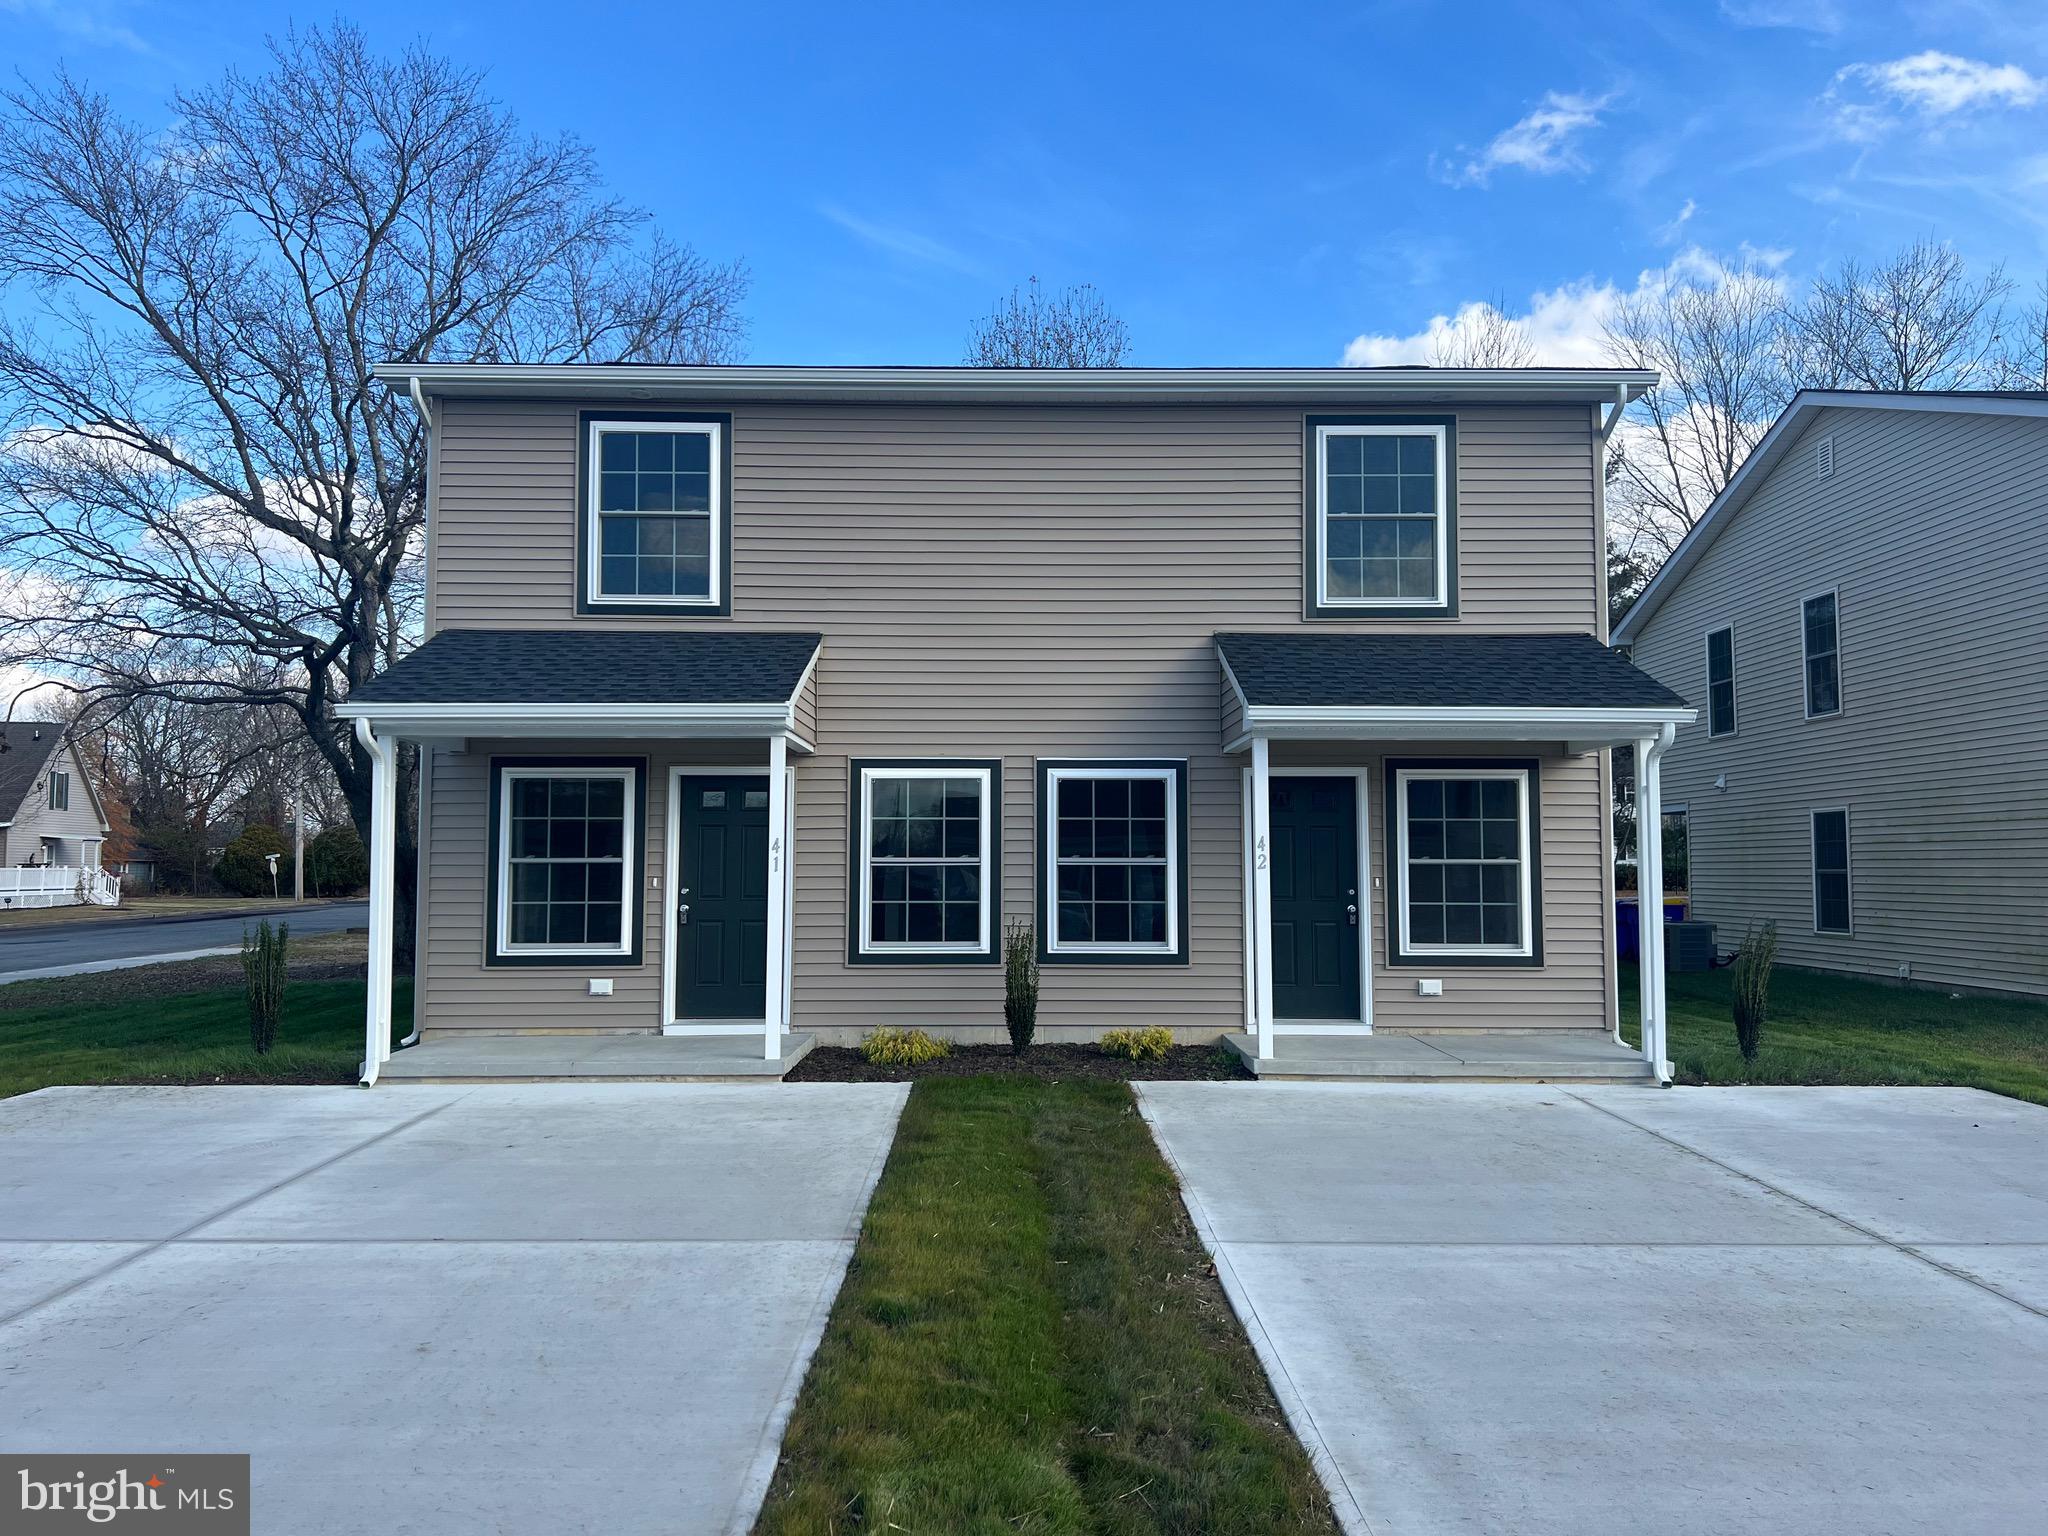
(1315, 898)
(722, 898)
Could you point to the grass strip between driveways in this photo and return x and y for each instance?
(1839, 1029)
(1030, 1339)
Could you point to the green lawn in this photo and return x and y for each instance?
(1833, 1029)
(190, 1037)
(1030, 1340)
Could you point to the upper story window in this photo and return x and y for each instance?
(1721, 682)
(60, 791)
(656, 515)
(1383, 535)
(1821, 642)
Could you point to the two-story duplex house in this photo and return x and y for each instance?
(1858, 616)
(762, 700)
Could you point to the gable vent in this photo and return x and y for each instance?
(1824, 456)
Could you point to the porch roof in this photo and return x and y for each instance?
(1512, 687)
(592, 682)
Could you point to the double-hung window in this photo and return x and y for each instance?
(1831, 871)
(1384, 535)
(1111, 840)
(566, 836)
(1464, 855)
(655, 534)
(925, 840)
(60, 791)
(1821, 645)
(1721, 682)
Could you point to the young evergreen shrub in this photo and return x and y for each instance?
(1020, 985)
(888, 1047)
(1752, 979)
(1138, 1044)
(263, 958)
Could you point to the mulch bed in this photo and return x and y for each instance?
(1184, 1063)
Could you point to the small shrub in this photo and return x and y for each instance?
(903, 1048)
(263, 963)
(336, 862)
(244, 869)
(1020, 985)
(1752, 978)
(1138, 1044)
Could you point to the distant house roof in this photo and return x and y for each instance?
(1777, 442)
(596, 666)
(26, 747)
(1448, 671)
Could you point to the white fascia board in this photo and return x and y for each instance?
(1773, 447)
(1308, 385)
(579, 720)
(1394, 723)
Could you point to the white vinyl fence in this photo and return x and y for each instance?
(57, 887)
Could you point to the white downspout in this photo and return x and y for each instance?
(383, 890)
(1650, 897)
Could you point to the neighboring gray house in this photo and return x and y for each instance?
(764, 699)
(1860, 618)
(50, 815)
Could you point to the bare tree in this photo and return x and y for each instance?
(1713, 339)
(1483, 336)
(205, 496)
(1072, 329)
(1916, 321)
(2023, 363)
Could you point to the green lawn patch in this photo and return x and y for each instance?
(1031, 1340)
(1837, 1029)
(190, 1037)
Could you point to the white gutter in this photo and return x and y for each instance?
(1371, 722)
(411, 719)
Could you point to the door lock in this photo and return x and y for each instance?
(1351, 913)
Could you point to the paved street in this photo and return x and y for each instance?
(69, 948)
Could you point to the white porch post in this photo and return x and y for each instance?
(1262, 890)
(383, 893)
(1650, 895)
(778, 888)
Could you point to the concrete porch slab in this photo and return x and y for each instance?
(1524, 1058)
(591, 1058)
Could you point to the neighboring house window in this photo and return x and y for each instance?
(1111, 841)
(566, 837)
(1831, 871)
(1384, 530)
(1721, 682)
(60, 791)
(1822, 641)
(655, 534)
(924, 859)
(1465, 877)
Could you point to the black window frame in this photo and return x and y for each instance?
(1807, 656)
(1715, 727)
(1312, 538)
(1845, 873)
(632, 885)
(720, 605)
(1044, 873)
(856, 824)
(1394, 812)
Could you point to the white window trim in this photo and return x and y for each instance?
(593, 565)
(1442, 600)
(1806, 657)
(1523, 951)
(1112, 769)
(1848, 868)
(866, 917)
(59, 776)
(503, 947)
(1735, 702)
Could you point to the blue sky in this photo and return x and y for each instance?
(1265, 184)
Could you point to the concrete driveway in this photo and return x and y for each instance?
(1622, 1310)
(558, 1308)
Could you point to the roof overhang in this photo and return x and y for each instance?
(1581, 730)
(581, 720)
(1779, 441)
(1290, 386)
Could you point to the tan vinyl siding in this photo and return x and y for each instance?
(1931, 530)
(993, 582)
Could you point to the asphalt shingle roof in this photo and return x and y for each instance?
(1448, 671)
(596, 666)
(22, 758)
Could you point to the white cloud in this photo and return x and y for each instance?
(1543, 143)
(1865, 98)
(82, 20)
(1668, 234)
(1798, 15)
(898, 241)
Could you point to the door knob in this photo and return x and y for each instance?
(683, 913)
(1352, 914)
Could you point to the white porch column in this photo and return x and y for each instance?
(1262, 890)
(383, 895)
(1650, 895)
(778, 890)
